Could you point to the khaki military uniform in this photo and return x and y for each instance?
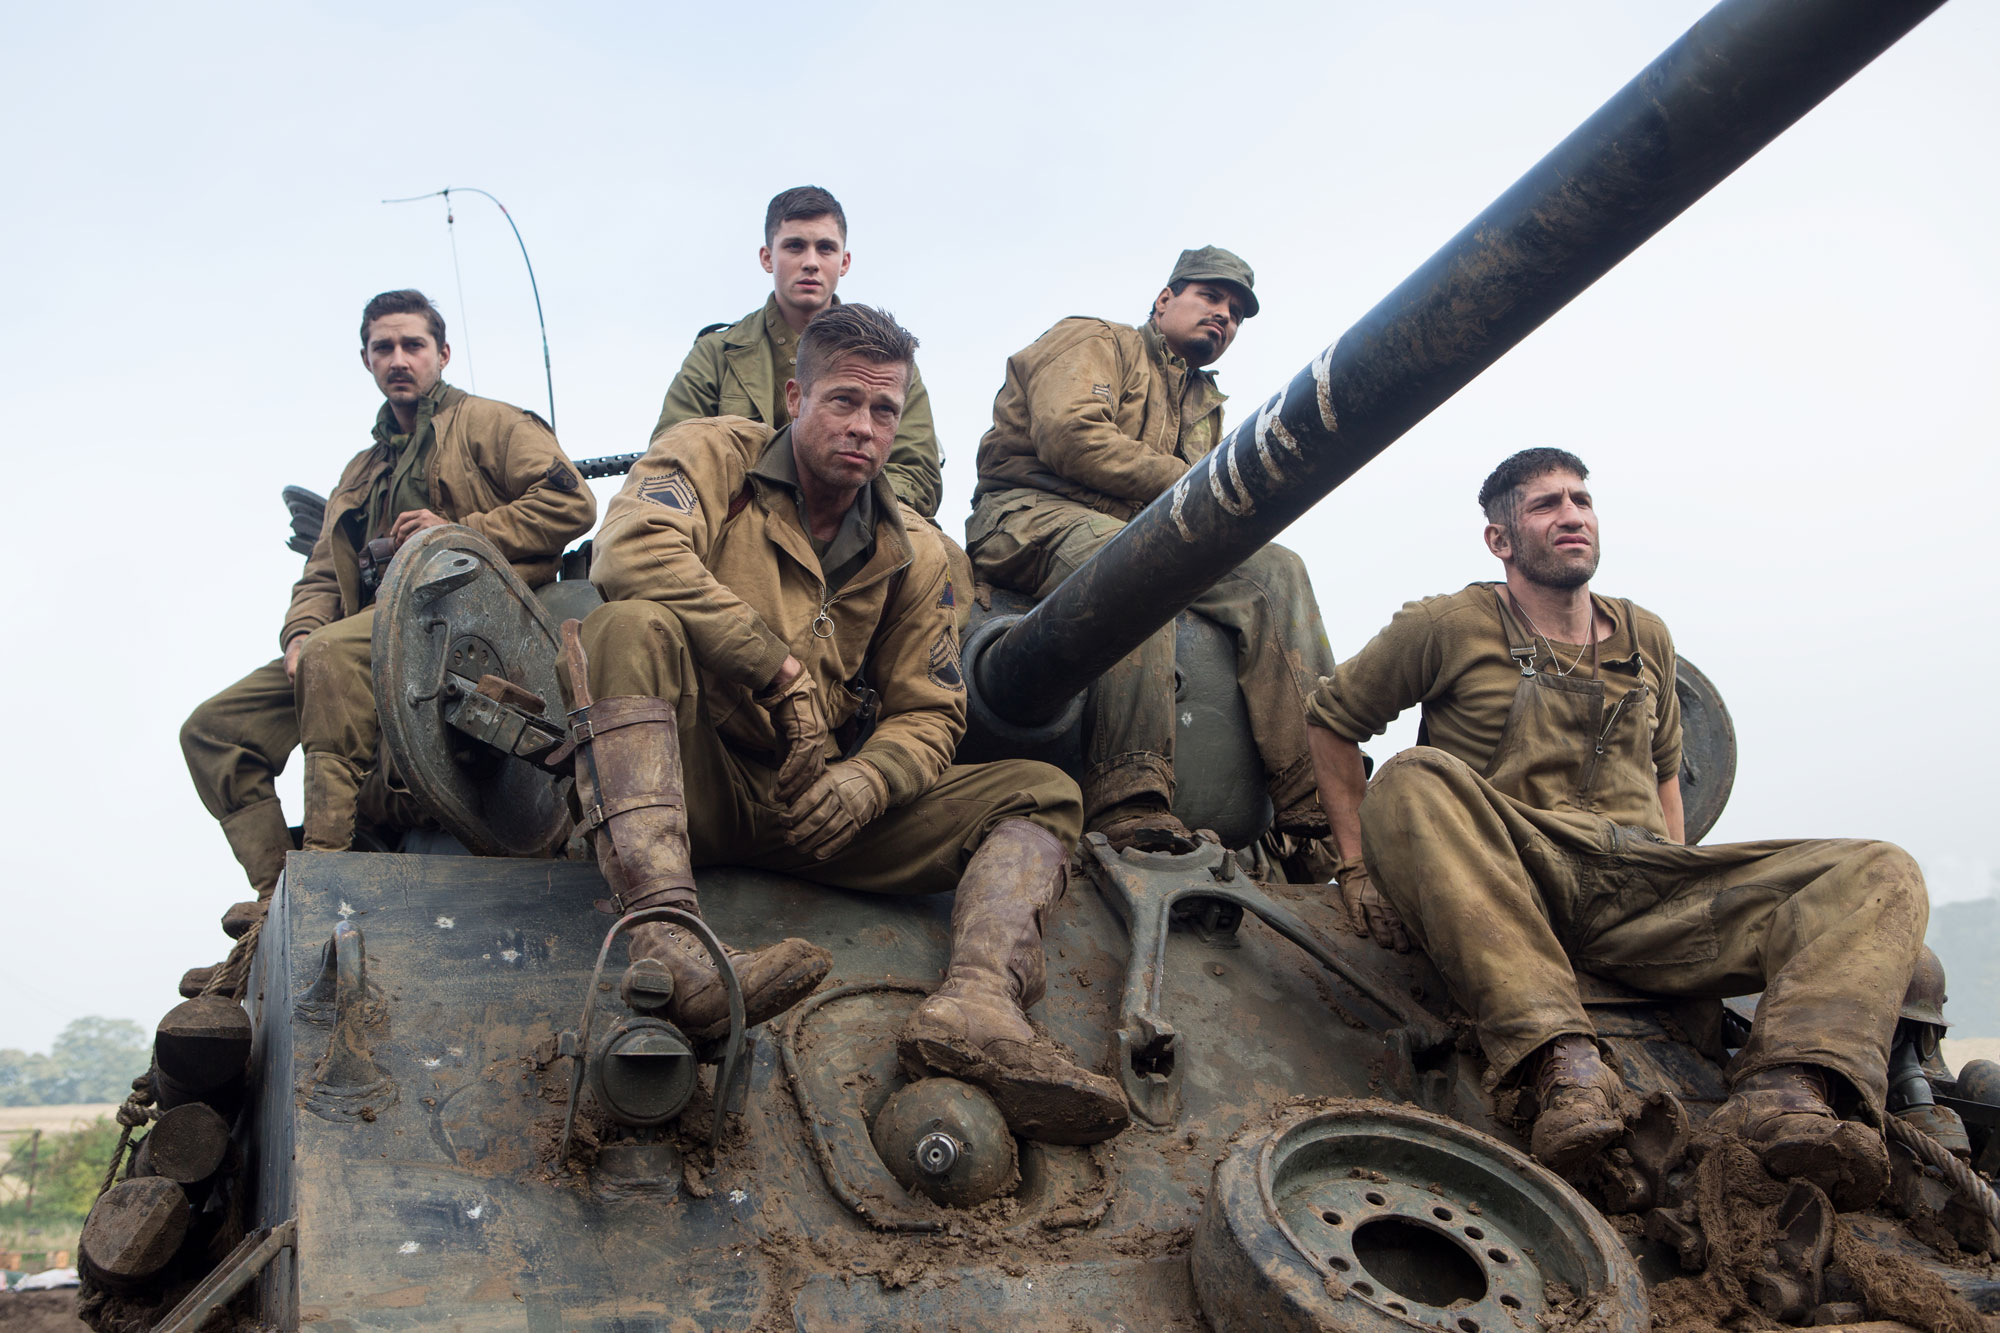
(741, 371)
(492, 467)
(711, 580)
(1096, 419)
(1524, 836)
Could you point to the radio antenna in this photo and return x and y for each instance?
(547, 369)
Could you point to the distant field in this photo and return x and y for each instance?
(51, 1119)
(1958, 1051)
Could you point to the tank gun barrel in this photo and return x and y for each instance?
(1736, 80)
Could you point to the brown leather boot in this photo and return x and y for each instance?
(333, 785)
(1579, 1105)
(972, 1027)
(628, 783)
(260, 838)
(773, 979)
(1782, 1113)
(1145, 824)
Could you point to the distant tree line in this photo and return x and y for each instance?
(94, 1060)
(1966, 936)
(65, 1170)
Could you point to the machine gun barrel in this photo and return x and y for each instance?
(611, 465)
(1736, 80)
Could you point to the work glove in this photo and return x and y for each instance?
(1368, 912)
(795, 712)
(834, 808)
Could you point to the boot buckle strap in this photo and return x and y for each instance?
(681, 899)
(675, 817)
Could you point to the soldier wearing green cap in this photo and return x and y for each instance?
(1095, 419)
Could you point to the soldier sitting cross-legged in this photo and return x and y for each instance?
(758, 582)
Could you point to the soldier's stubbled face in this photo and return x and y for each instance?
(403, 357)
(843, 426)
(1200, 322)
(1552, 539)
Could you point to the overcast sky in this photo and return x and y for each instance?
(1786, 398)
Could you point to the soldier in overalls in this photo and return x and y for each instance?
(1536, 827)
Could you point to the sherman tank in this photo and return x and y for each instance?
(442, 1103)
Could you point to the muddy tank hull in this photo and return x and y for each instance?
(424, 1187)
(411, 1011)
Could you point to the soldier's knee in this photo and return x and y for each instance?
(1891, 872)
(195, 732)
(617, 626)
(1419, 766)
(330, 648)
(1417, 779)
(637, 647)
(1052, 799)
(1280, 564)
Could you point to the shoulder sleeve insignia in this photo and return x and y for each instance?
(944, 671)
(560, 477)
(672, 489)
(949, 598)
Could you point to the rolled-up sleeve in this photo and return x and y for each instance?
(1395, 670)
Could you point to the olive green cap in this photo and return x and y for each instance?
(1212, 263)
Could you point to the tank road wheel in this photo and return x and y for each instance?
(1362, 1217)
(465, 681)
(1708, 750)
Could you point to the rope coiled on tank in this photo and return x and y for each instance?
(132, 1113)
(232, 977)
(1957, 1173)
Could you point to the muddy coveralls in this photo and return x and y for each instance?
(1094, 421)
(1524, 837)
(492, 467)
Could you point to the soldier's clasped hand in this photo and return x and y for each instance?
(795, 713)
(847, 796)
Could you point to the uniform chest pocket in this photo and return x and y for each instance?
(735, 401)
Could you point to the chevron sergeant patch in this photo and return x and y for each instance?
(944, 661)
(670, 488)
